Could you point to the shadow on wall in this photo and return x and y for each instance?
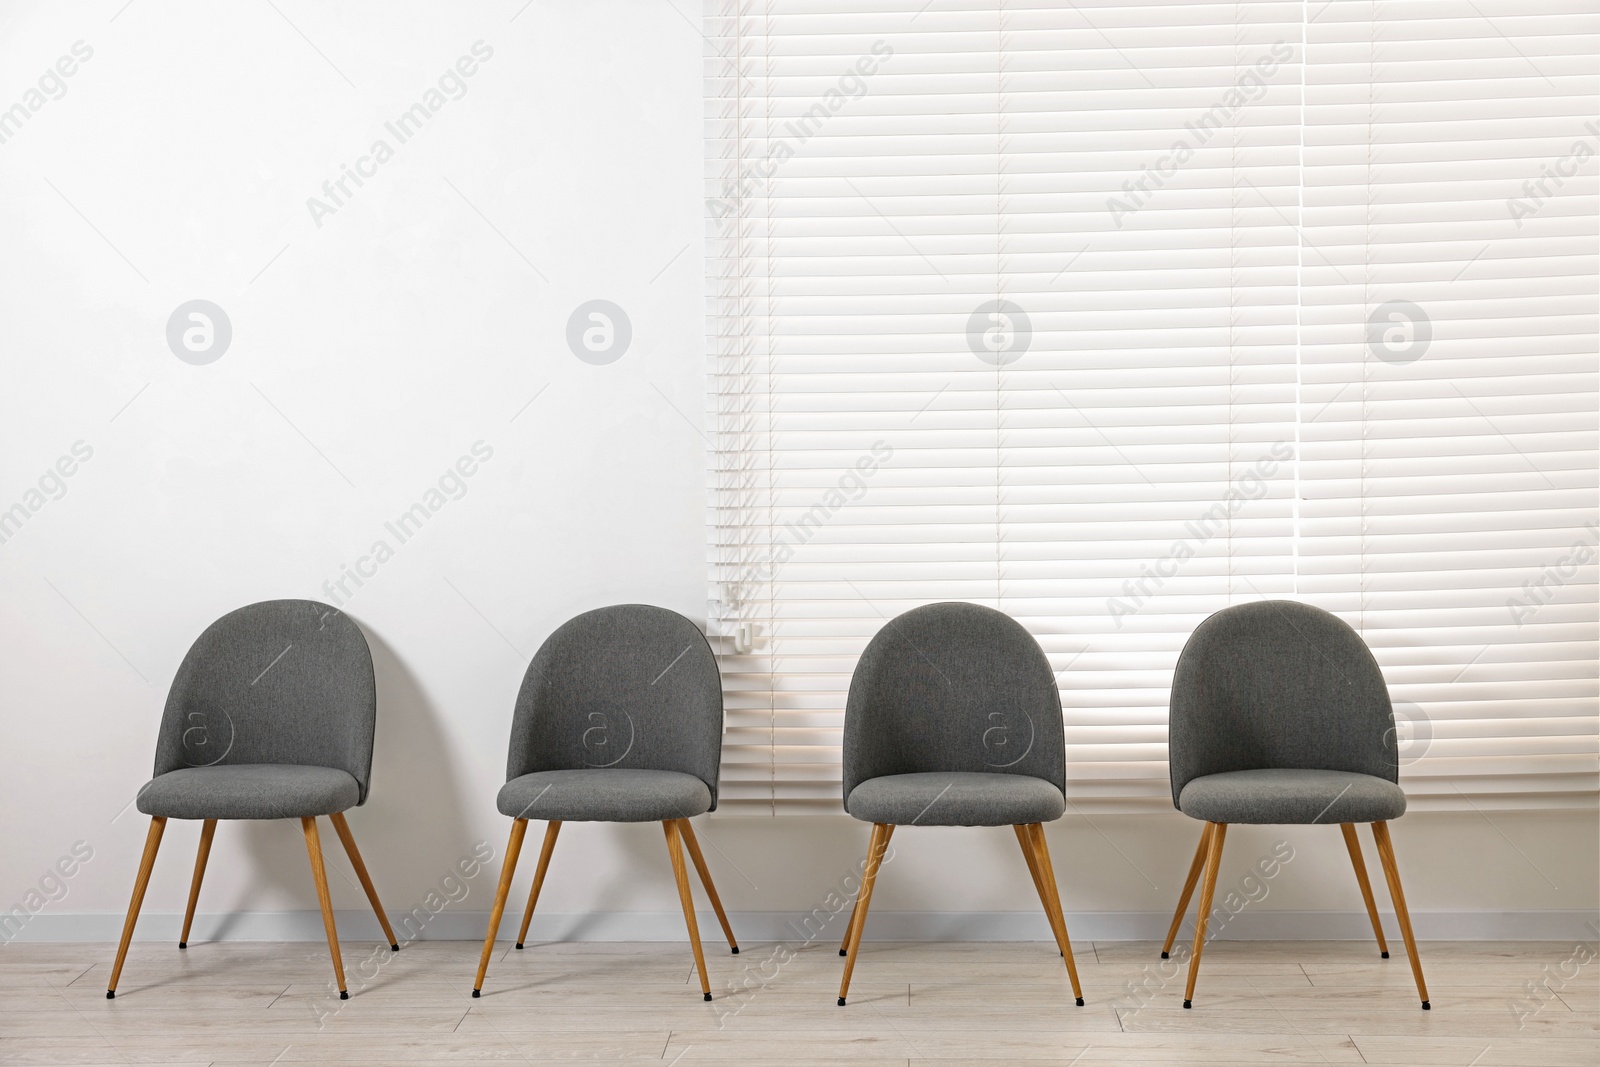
(411, 824)
(641, 880)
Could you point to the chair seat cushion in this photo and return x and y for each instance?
(956, 798)
(1282, 796)
(249, 791)
(610, 794)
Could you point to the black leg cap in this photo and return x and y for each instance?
(344, 994)
(1164, 956)
(183, 944)
(708, 996)
(1385, 955)
(1080, 1002)
(1187, 1004)
(111, 994)
(842, 952)
(475, 994)
(519, 944)
(394, 948)
(1426, 1006)
(841, 1002)
(735, 950)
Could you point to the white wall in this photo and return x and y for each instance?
(368, 353)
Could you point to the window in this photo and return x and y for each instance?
(1112, 316)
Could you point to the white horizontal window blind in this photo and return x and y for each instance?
(1063, 309)
(1448, 360)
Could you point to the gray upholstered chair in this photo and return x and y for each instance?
(619, 719)
(954, 719)
(270, 716)
(1280, 715)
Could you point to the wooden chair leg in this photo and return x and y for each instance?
(1033, 872)
(1058, 917)
(349, 841)
(319, 874)
(1218, 833)
(207, 828)
(1188, 889)
(681, 873)
(844, 945)
(705, 879)
(1353, 843)
(875, 850)
(1391, 871)
(152, 842)
(1033, 867)
(551, 829)
(519, 827)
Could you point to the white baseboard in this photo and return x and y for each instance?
(757, 927)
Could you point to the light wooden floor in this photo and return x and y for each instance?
(1258, 1003)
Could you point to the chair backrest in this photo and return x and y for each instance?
(282, 681)
(1278, 684)
(953, 687)
(630, 686)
